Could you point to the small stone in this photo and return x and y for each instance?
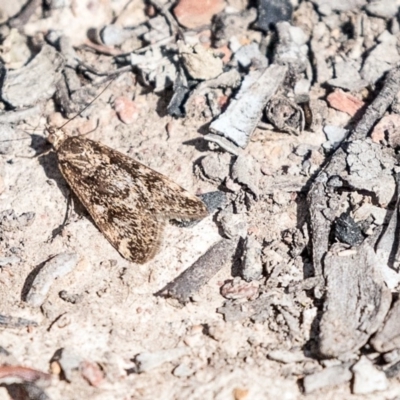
(246, 54)
(15, 51)
(231, 185)
(232, 224)
(347, 77)
(335, 136)
(287, 356)
(247, 172)
(200, 63)
(183, 371)
(213, 200)
(366, 210)
(147, 361)
(216, 166)
(383, 8)
(347, 231)
(194, 14)
(367, 378)
(252, 266)
(55, 268)
(7, 134)
(392, 356)
(344, 102)
(302, 150)
(115, 35)
(127, 110)
(241, 394)
(328, 377)
(92, 373)
(302, 87)
(69, 362)
(238, 289)
(388, 128)
(381, 59)
(272, 11)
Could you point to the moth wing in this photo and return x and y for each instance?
(161, 194)
(128, 201)
(169, 199)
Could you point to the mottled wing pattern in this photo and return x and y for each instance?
(129, 202)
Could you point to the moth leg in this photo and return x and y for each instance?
(68, 212)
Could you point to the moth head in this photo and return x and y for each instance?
(55, 136)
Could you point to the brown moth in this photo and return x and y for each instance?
(129, 202)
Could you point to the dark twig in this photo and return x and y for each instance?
(191, 280)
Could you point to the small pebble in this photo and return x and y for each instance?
(388, 128)
(127, 110)
(92, 373)
(183, 371)
(335, 136)
(367, 378)
(252, 266)
(147, 361)
(194, 14)
(57, 267)
(344, 102)
(68, 361)
(238, 289)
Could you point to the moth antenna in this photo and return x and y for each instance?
(88, 105)
(92, 130)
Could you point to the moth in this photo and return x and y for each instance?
(129, 202)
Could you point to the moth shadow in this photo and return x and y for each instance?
(39, 144)
(50, 166)
(199, 144)
(163, 101)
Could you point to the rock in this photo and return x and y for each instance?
(193, 14)
(383, 8)
(236, 289)
(36, 81)
(127, 110)
(347, 77)
(232, 224)
(272, 11)
(344, 102)
(55, 268)
(287, 356)
(147, 361)
(381, 59)
(328, 377)
(252, 266)
(216, 166)
(388, 128)
(367, 378)
(335, 136)
(200, 62)
(246, 171)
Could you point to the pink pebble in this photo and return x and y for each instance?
(127, 110)
(193, 14)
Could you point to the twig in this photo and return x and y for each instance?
(191, 280)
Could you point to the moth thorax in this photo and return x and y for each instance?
(55, 136)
